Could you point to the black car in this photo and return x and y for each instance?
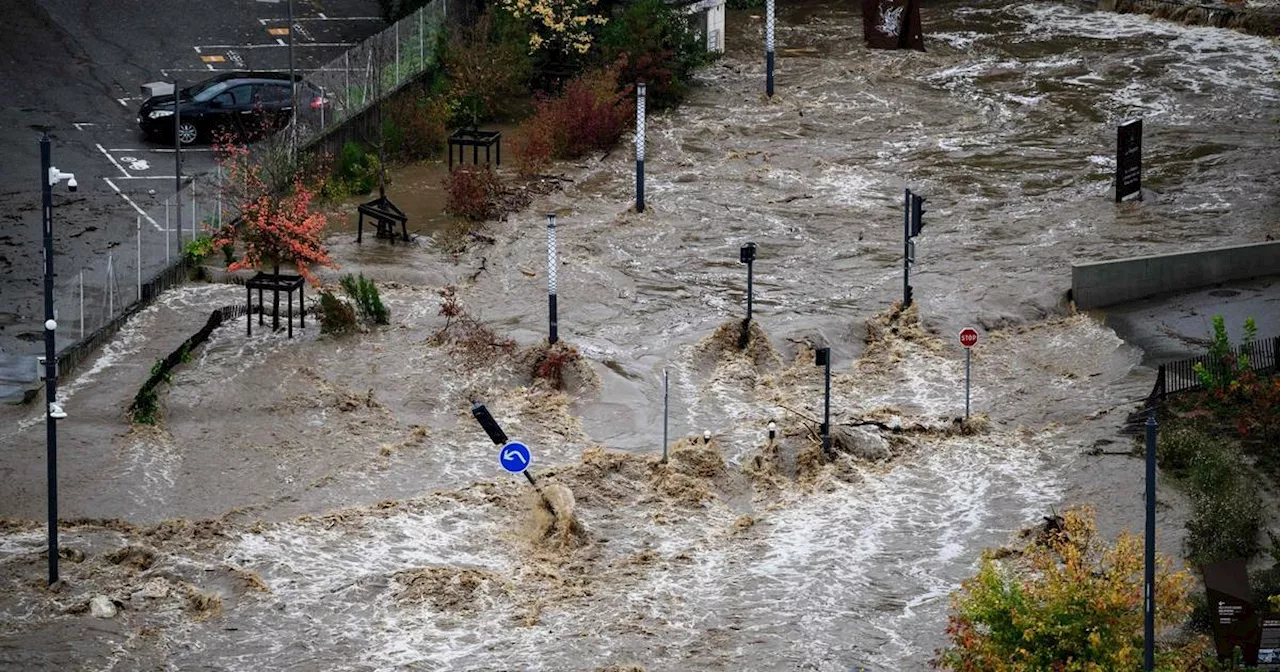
(243, 104)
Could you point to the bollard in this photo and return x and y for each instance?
(768, 47)
(640, 103)
(773, 430)
(822, 357)
(666, 398)
(706, 436)
(551, 279)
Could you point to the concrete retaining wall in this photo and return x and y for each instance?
(1104, 283)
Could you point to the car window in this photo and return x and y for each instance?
(241, 95)
(274, 93)
(209, 92)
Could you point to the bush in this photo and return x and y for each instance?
(1178, 448)
(653, 42)
(1224, 524)
(336, 316)
(1067, 601)
(551, 360)
(195, 251)
(365, 296)
(415, 127)
(355, 174)
(474, 342)
(489, 70)
(588, 115)
(472, 192)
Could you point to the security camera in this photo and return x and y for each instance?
(72, 184)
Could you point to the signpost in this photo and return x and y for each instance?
(1235, 623)
(514, 457)
(1129, 160)
(968, 338)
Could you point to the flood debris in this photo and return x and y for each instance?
(452, 589)
(101, 606)
(202, 605)
(720, 352)
(892, 333)
(137, 558)
(561, 365)
(553, 522)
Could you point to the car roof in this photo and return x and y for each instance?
(249, 75)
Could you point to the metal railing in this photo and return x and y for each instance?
(1180, 376)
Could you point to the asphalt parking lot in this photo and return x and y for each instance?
(75, 69)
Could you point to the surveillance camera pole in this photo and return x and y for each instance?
(50, 356)
(177, 169)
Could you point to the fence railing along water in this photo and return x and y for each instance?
(92, 302)
(1175, 377)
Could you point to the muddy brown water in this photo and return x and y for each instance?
(346, 504)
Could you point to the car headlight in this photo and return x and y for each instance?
(156, 114)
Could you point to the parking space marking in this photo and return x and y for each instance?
(81, 124)
(321, 17)
(213, 58)
(278, 31)
(281, 42)
(235, 58)
(131, 202)
(112, 159)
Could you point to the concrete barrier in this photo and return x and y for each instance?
(1105, 283)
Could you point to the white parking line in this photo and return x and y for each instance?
(81, 124)
(112, 159)
(130, 202)
(322, 17)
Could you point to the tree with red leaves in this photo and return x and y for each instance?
(275, 224)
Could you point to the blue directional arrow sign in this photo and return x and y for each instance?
(514, 456)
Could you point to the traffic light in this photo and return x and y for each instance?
(906, 295)
(747, 253)
(821, 356)
(917, 214)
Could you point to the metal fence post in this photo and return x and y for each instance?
(138, 228)
(82, 304)
(422, 38)
(397, 36)
(346, 75)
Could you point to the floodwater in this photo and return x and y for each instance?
(352, 514)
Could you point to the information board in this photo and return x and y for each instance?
(1129, 160)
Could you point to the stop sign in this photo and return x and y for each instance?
(968, 337)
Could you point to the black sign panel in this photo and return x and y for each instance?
(1269, 647)
(1235, 624)
(892, 24)
(1129, 160)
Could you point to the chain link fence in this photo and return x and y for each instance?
(92, 302)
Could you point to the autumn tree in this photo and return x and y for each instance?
(1067, 602)
(274, 222)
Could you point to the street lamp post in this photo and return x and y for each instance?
(50, 176)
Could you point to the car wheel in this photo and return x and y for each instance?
(187, 132)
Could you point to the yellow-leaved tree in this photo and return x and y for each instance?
(1068, 602)
(563, 26)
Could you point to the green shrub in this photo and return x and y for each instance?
(364, 293)
(336, 316)
(653, 42)
(1178, 448)
(1224, 525)
(355, 174)
(195, 251)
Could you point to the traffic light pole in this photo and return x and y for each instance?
(906, 249)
